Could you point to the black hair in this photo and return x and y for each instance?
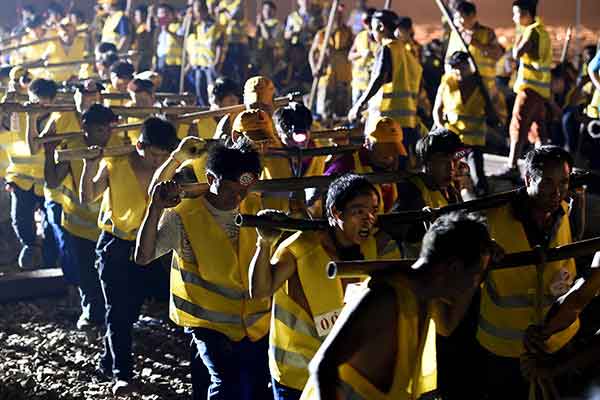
(466, 8)
(224, 87)
(77, 14)
(106, 47)
(43, 88)
(120, 5)
(538, 157)
(98, 114)
(457, 58)
(141, 85)
(345, 189)
(295, 116)
(367, 15)
(527, 5)
(231, 162)
(167, 7)
(143, 9)
(34, 22)
(29, 8)
(440, 140)
(456, 234)
(160, 133)
(108, 59)
(405, 23)
(270, 4)
(123, 69)
(388, 18)
(55, 8)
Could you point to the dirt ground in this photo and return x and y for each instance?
(43, 357)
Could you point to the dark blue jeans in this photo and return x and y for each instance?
(281, 392)
(125, 286)
(54, 221)
(201, 78)
(22, 209)
(238, 370)
(170, 76)
(80, 254)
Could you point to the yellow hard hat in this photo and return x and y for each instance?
(388, 131)
(259, 89)
(255, 124)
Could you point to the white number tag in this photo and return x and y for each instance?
(324, 322)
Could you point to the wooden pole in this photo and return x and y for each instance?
(565, 49)
(321, 61)
(91, 152)
(281, 222)
(36, 42)
(489, 106)
(187, 25)
(388, 4)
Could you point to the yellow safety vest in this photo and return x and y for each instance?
(202, 45)
(229, 6)
(124, 201)
(58, 53)
(114, 102)
(174, 47)
(339, 68)
(415, 371)
(237, 32)
(466, 117)
(24, 170)
(508, 296)
(486, 65)
(296, 333)
(206, 127)
(34, 53)
(110, 24)
(398, 98)
(431, 198)
(213, 292)
(361, 68)
(593, 109)
(278, 168)
(533, 73)
(80, 220)
(3, 160)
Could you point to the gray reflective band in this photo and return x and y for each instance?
(390, 246)
(202, 313)
(26, 160)
(348, 391)
(76, 220)
(400, 95)
(486, 64)
(537, 83)
(192, 278)
(289, 358)
(536, 69)
(295, 324)
(254, 318)
(503, 333)
(514, 301)
(26, 177)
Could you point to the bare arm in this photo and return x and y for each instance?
(93, 181)
(164, 195)
(313, 54)
(265, 278)
(594, 77)
(54, 173)
(357, 326)
(438, 107)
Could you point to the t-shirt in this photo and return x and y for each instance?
(171, 233)
(595, 63)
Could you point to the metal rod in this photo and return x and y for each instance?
(287, 152)
(284, 223)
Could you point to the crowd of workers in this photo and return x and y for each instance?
(139, 187)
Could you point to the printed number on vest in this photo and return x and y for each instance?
(324, 322)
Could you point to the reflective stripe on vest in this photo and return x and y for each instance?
(108, 226)
(202, 313)
(503, 333)
(74, 219)
(194, 279)
(289, 358)
(294, 323)
(400, 95)
(514, 301)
